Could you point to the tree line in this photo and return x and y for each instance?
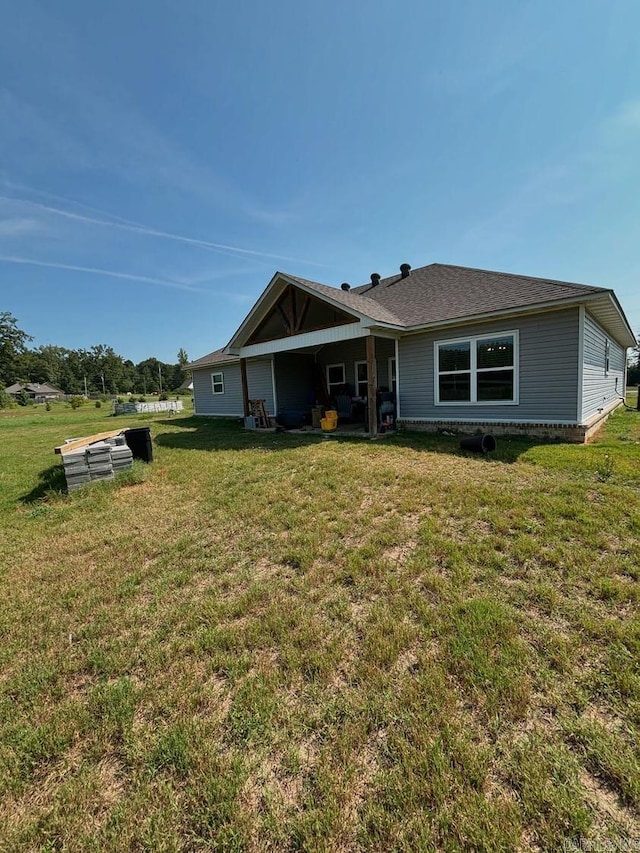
(98, 370)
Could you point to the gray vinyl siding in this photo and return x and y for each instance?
(548, 371)
(294, 381)
(208, 403)
(598, 390)
(348, 352)
(260, 382)
(230, 403)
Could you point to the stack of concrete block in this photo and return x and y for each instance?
(121, 458)
(98, 461)
(76, 469)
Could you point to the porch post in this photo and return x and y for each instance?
(245, 386)
(372, 385)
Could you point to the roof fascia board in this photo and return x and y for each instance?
(213, 363)
(321, 337)
(228, 360)
(614, 300)
(261, 303)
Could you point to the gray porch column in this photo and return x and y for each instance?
(372, 385)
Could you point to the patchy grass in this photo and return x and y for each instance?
(275, 642)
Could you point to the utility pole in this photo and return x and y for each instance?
(160, 377)
(104, 393)
(86, 394)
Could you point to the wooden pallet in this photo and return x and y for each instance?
(258, 411)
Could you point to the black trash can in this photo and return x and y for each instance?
(139, 442)
(479, 443)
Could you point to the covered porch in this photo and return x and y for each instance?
(357, 378)
(324, 354)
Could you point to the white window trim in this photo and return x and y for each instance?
(219, 382)
(355, 378)
(473, 370)
(391, 359)
(607, 357)
(344, 375)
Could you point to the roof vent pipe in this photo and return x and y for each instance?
(405, 269)
(375, 279)
(345, 285)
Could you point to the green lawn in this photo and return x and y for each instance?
(281, 642)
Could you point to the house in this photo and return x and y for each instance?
(185, 387)
(459, 348)
(37, 391)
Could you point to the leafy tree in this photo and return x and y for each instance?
(12, 348)
(181, 372)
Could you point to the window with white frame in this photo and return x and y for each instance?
(393, 376)
(217, 383)
(361, 373)
(480, 369)
(335, 378)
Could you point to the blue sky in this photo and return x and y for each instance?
(160, 160)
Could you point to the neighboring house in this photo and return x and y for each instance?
(187, 385)
(38, 392)
(461, 348)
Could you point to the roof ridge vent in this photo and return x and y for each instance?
(375, 279)
(345, 286)
(405, 270)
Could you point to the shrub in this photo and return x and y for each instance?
(142, 399)
(119, 400)
(76, 401)
(5, 399)
(163, 396)
(47, 406)
(23, 399)
(98, 404)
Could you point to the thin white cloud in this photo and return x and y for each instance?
(11, 259)
(137, 228)
(17, 227)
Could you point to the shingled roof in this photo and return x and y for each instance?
(215, 357)
(439, 292)
(442, 294)
(353, 299)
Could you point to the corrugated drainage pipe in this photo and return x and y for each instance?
(479, 443)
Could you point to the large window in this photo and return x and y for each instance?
(479, 370)
(217, 383)
(335, 378)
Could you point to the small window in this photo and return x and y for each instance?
(477, 370)
(607, 352)
(362, 378)
(335, 378)
(393, 376)
(217, 383)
